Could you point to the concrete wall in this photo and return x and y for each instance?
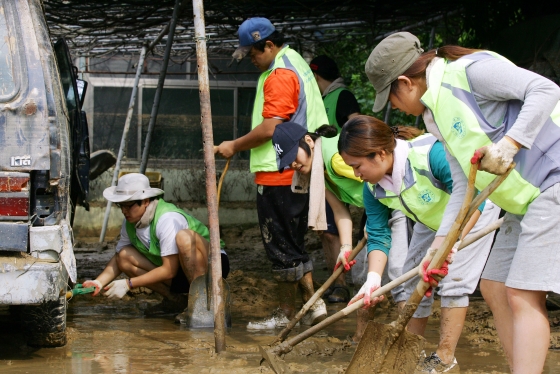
(184, 185)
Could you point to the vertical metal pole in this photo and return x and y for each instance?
(210, 167)
(124, 138)
(161, 81)
(430, 46)
(388, 113)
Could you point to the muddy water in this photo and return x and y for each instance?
(114, 336)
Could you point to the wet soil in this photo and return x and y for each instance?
(106, 336)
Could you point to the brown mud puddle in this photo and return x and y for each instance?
(114, 337)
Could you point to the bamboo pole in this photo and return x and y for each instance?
(210, 167)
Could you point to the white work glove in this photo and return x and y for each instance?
(497, 157)
(93, 283)
(434, 276)
(373, 282)
(117, 289)
(345, 251)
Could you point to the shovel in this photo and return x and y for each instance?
(200, 311)
(272, 355)
(390, 348)
(284, 333)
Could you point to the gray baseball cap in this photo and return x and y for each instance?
(389, 59)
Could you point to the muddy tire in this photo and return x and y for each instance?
(45, 324)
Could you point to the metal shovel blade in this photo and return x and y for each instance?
(278, 365)
(384, 353)
(199, 313)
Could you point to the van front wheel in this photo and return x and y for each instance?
(45, 324)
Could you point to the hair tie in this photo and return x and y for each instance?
(395, 131)
(436, 51)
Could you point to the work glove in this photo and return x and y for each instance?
(345, 251)
(93, 283)
(497, 157)
(117, 289)
(373, 282)
(434, 276)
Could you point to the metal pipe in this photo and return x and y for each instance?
(210, 167)
(430, 46)
(124, 138)
(388, 113)
(161, 81)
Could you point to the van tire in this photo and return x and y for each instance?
(45, 324)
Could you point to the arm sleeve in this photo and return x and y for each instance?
(457, 195)
(377, 224)
(281, 93)
(167, 228)
(346, 105)
(124, 240)
(441, 169)
(497, 80)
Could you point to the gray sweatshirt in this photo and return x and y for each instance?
(494, 82)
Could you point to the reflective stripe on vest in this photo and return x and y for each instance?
(464, 129)
(423, 198)
(346, 190)
(331, 101)
(153, 253)
(310, 112)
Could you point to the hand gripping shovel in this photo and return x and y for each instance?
(390, 348)
(272, 355)
(284, 333)
(200, 312)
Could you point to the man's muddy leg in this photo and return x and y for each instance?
(193, 253)
(363, 316)
(134, 264)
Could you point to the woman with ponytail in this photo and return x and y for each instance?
(407, 171)
(477, 100)
(298, 149)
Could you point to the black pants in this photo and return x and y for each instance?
(283, 222)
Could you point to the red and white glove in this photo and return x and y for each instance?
(373, 282)
(497, 157)
(93, 283)
(345, 251)
(434, 276)
(117, 289)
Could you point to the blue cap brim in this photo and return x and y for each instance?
(288, 158)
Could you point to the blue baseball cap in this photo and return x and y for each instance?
(251, 31)
(285, 141)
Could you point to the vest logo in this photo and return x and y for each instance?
(256, 35)
(458, 128)
(278, 150)
(426, 197)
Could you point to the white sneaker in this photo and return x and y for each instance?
(315, 314)
(277, 320)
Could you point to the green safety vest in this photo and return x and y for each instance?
(422, 198)
(464, 129)
(330, 101)
(153, 253)
(310, 112)
(346, 190)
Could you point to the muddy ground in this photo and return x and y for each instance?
(114, 336)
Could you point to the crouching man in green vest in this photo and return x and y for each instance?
(161, 247)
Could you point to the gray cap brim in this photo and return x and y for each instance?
(381, 99)
(241, 52)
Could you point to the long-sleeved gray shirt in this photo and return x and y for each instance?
(494, 82)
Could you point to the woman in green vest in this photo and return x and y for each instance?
(478, 100)
(298, 150)
(402, 170)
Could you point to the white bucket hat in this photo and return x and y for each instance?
(131, 187)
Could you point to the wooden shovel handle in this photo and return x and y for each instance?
(284, 333)
(222, 179)
(287, 346)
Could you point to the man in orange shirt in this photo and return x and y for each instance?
(286, 91)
